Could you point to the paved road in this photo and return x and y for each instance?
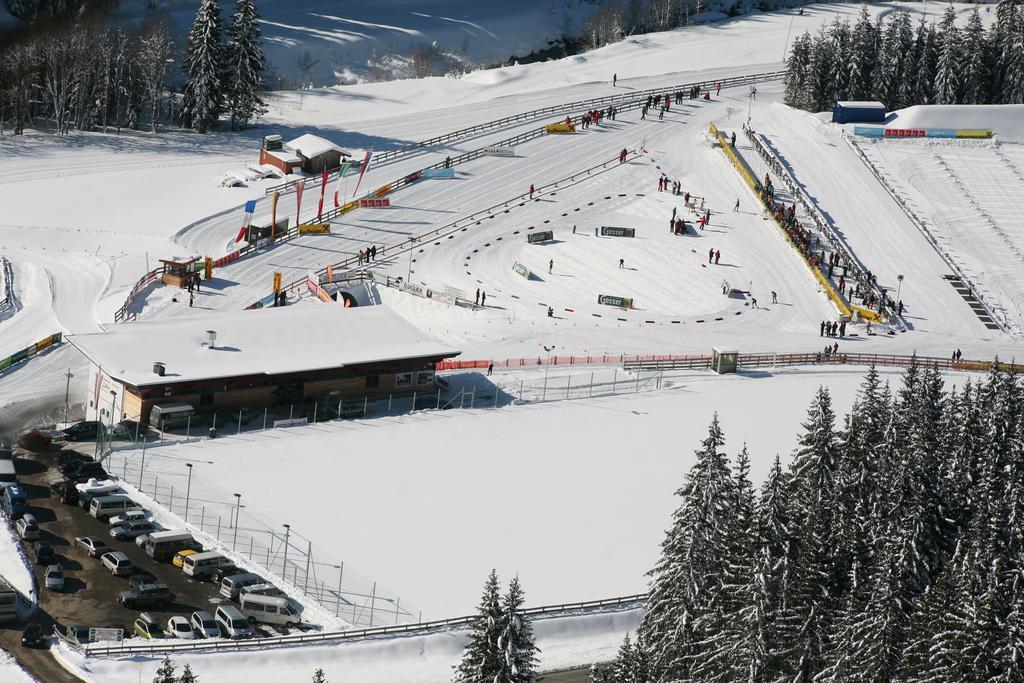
(574, 676)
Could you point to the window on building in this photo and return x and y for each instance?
(403, 379)
(425, 377)
(372, 379)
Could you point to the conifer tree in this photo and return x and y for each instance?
(947, 77)
(245, 64)
(517, 651)
(798, 66)
(687, 581)
(319, 676)
(187, 676)
(925, 65)
(862, 57)
(975, 79)
(821, 85)
(204, 69)
(165, 673)
(480, 660)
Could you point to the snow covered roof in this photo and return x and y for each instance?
(270, 341)
(311, 146)
(285, 156)
(857, 103)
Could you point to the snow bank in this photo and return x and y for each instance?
(11, 671)
(565, 642)
(14, 566)
(1005, 120)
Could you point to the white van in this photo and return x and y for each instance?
(271, 609)
(231, 585)
(105, 507)
(171, 415)
(203, 565)
(232, 624)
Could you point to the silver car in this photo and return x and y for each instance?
(204, 625)
(55, 577)
(132, 530)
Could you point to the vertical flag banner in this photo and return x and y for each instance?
(250, 208)
(330, 272)
(273, 213)
(323, 188)
(298, 200)
(362, 171)
(341, 173)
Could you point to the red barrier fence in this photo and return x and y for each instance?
(224, 260)
(374, 203)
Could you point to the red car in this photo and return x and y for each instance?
(34, 440)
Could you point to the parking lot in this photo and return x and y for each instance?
(90, 590)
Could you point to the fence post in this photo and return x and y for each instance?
(591, 385)
(156, 487)
(638, 378)
(568, 386)
(218, 527)
(337, 605)
(170, 500)
(264, 419)
(202, 517)
(615, 379)
(251, 541)
(316, 404)
(373, 601)
(309, 557)
(239, 422)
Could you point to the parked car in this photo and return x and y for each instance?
(94, 545)
(204, 625)
(27, 527)
(65, 492)
(54, 577)
(34, 440)
(14, 500)
(178, 627)
(148, 627)
(140, 578)
(129, 516)
(94, 489)
(84, 471)
(179, 557)
(133, 530)
(80, 431)
(43, 552)
(267, 589)
(148, 595)
(224, 572)
(65, 457)
(32, 636)
(118, 563)
(232, 624)
(141, 539)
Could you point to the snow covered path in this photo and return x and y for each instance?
(872, 223)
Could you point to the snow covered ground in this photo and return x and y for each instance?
(573, 496)
(11, 672)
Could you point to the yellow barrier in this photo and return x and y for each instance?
(969, 133)
(873, 316)
(731, 154)
(345, 208)
(383, 190)
(42, 344)
(318, 229)
(560, 128)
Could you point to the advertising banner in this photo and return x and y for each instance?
(277, 282)
(498, 151)
(617, 301)
(439, 173)
(611, 231)
(521, 269)
(315, 229)
(543, 236)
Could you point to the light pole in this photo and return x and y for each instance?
(188, 489)
(547, 368)
(284, 562)
(110, 432)
(899, 288)
(408, 276)
(238, 505)
(67, 395)
(750, 102)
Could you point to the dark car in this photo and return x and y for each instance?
(222, 573)
(84, 472)
(34, 440)
(65, 492)
(139, 579)
(32, 636)
(149, 595)
(43, 552)
(81, 431)
(65, 457)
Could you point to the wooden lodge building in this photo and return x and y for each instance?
(293, 355)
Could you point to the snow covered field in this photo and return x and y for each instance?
(11, 672)
(573, 496)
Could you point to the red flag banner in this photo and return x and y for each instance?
(362, 171)
(273, 213)
(298, 200)
(323, 188)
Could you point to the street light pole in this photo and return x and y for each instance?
(110, 432)
(899, 288)
(67, 395)
(547, 368)
(284, 562)
(188, 489)
(408, 276)
(238, 505)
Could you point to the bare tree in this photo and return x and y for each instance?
(153, 57)
(605, 25)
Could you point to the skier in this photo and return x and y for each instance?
(483, 298)
(551, 266)
(198, 278)
(531, 190)
(615, 79)
(661, 114)
(711, 254)
(490, 368)
(718, 255)
(707, 215)
(477, 296)
(718, 89)
(775, 297)
(191, 299)
(448, 162)
(622, 263)
(736, 207)
(360, 257)
(551, 312)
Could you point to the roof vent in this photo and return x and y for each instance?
(212, 338)
(159, 369)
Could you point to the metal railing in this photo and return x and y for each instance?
(631, 97)
(455, 226)
(549, 611)
(122, 314)
(757, 360)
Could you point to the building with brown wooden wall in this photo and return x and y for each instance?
(295, 355)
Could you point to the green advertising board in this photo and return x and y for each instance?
(521, 269)
(617, 301)
(610, 231)
(544, 236)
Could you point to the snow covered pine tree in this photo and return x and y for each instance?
(244, 66)
(204, 69)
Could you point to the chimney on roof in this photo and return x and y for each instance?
(211, 338)
(159, 369)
